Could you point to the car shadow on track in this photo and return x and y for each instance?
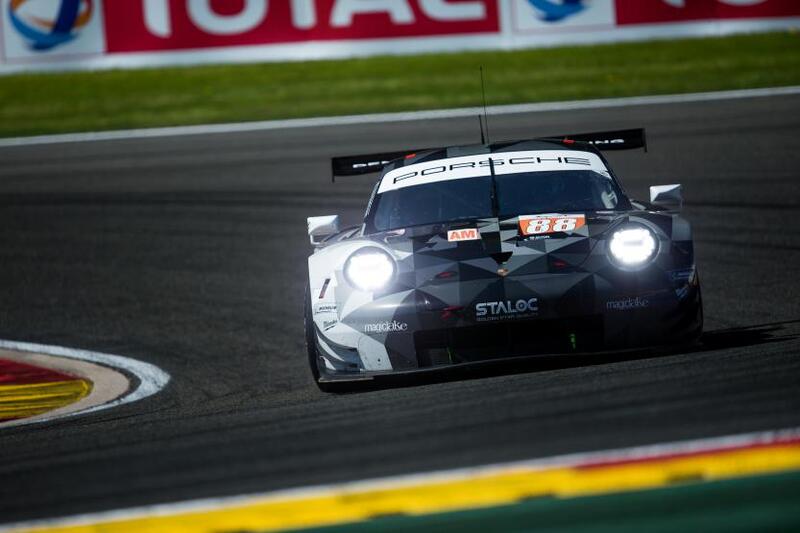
(722, 339)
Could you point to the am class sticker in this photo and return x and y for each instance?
(469, 234)
(550, 223)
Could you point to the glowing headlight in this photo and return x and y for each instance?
(369, 269)
(633, 247)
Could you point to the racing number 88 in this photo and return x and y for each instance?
(538, 225)
(564, 224)
(543, 225)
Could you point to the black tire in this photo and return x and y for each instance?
(699, 333)
(311, 342)
(311, 346)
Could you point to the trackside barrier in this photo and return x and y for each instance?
(96, 34)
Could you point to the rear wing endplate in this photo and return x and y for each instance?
(355, 165)
(612, 140)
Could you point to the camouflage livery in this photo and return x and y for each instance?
(473, 290)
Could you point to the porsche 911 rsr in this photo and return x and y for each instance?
(483, 252)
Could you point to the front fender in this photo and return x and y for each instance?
(333, 299)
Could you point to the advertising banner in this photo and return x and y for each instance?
(667, 11)
(86, 34)
(135, 26)
(530, 23)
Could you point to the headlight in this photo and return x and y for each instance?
(369, 269)
(633, 247)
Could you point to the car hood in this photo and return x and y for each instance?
(497, 246)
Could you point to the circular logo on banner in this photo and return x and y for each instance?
(49, 23)
(554, 11)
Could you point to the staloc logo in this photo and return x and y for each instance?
(627, 304)
(506, 309)
(389, 326)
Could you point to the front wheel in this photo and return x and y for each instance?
(311, 345)
(699, 332)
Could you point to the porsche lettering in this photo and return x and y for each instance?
(497, 162)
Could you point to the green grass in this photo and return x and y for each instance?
(87, 101)
(761, 503)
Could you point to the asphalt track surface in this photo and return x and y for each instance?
(189, 253)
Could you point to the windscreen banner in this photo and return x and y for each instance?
(94, 34)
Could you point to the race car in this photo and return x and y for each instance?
(495, 251)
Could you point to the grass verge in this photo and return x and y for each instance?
(760, 503)
(33, 104)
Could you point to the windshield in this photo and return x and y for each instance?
(517, 194)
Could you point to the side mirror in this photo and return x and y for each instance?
(321, 227)
(667, 196)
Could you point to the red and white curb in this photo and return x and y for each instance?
(116, 380)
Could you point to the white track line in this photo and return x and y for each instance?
(151, 378)
(349, 120)
(655, 451)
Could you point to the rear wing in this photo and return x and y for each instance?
(355, 165)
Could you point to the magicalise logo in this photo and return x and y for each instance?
(555, 11)
(46, 24)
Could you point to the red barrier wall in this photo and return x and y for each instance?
(58, 34)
